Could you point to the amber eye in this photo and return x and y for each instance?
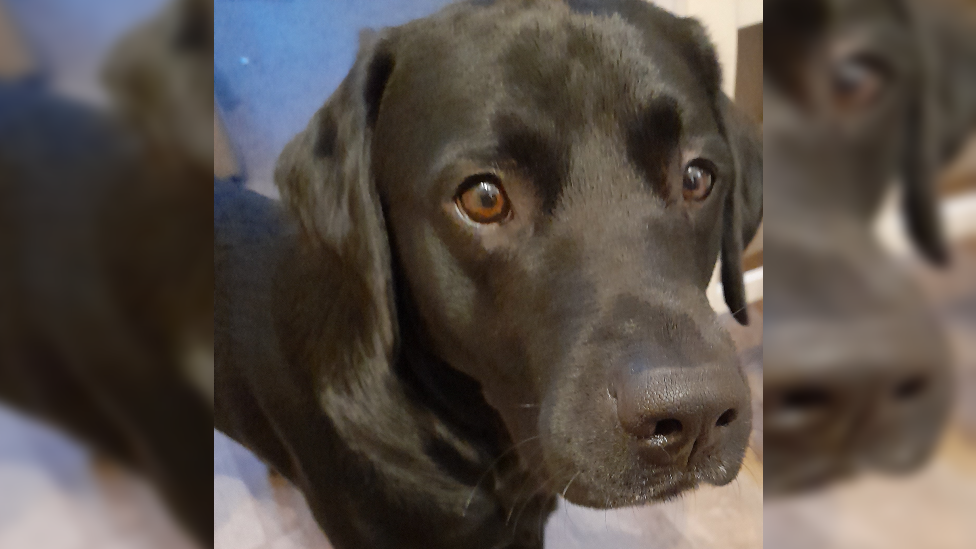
(698, 181)
(482, 199)
(857, 82)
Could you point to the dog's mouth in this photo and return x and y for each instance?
(794, 471)
(661, 488)
(807, 475)
(598, 464)
(642, 488)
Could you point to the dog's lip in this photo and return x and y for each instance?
(668, 488)
(647, 485)
(658, 488)
(806, 475)
(719, 475)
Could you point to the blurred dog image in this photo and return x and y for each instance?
(857, 94)
(106, 276)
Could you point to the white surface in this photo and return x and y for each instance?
(753, 281)
(958, 214)
(53, 496)
(750, 12)
(253, 512)
(722, 19)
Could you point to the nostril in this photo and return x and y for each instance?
(726, 418)
(806, 399)
(667, 427)
(911, 387)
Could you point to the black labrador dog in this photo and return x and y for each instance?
(106, 280)
(486, 284)
(856, 369)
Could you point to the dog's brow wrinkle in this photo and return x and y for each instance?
(537, 154)
(652, 138)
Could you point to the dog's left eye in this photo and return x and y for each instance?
(483, 200)
(699, 179)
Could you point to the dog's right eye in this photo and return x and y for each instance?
(699, 179)
(482, 199)
(857, 82)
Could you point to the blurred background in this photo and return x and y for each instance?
(870, 187)
(106, 273)
(872, 371)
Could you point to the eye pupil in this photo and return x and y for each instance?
(488, 194)
(694, 177)
(698, 182)
(856, 83)
(482, 199)
(849, 76)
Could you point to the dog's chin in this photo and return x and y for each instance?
(660, 490)
(806, 476)
(644, 490)
(800, 474)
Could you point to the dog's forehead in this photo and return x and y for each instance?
(867, 9)
(880, 26)
(884, 22)
(468, 80)
(546, 58)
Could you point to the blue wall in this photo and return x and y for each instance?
(70, 38)
(277, 61)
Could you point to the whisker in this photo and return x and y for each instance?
(566, 489)
(569, 515)
(491, 467)
(543, 520)
(539, 490)
(528, 483)
(740, 310)
(747, 464)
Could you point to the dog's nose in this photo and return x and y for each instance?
(841, 398)
(682, 410)
(835, 402)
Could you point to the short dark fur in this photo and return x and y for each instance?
(430, 388)
(828, 176)
(105, 275)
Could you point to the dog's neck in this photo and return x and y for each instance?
(471, 428)
(475, 447)
(453, 397)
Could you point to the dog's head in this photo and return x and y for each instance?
(856, 96)
(536, 194)
(160, 77)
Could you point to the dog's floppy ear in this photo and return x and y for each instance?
(742, 211)
(953, 30)
(942, 115)
(923, 140)
(743, 208)
(338, 309)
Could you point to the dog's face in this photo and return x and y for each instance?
(850, 74)
(856, 369)
(555, 188)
